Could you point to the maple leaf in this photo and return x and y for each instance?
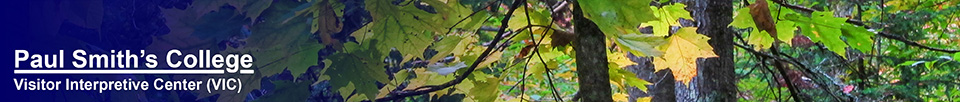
(407, 28)
(761, 39)
(669, 16)
(486, 89)
(361, 67)
(454, 45)
(858, 37)
(277, 46)
(615, 17)
(824, 28)
(682, 51)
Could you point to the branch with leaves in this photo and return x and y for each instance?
(861, 23)
(427, 89)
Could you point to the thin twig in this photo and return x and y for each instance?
(489, 4)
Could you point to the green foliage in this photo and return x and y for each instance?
(617, 17)
(822, 27)
(668, 15)
(359, 65)
(760, 89)
(622, 76)
(742, 19)
(956, 56)
(486, 89)
(397, 26)
(858, 37)
(786, 31)
(282, 46)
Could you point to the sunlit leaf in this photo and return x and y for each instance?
(760, 40)
(858, 37)
(822, 27)
(786, 31)
(682, 52)
(616, 17)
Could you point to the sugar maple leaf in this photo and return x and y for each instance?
(681, 53)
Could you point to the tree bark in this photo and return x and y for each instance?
(591, 59)
(716, 79)
(662, 81)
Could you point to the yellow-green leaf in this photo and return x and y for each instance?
(760, 40)
(615, 17)
(682, 51)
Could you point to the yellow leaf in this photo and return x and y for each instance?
(384, 91)
(645, 99)
(620, 97)
(681, 53)
(565, 75)
(620, 59)
(493, 57)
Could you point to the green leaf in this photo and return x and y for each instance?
(743, 19)
(760, 40)
(621, 75)
(486, 90)
(858, 37)
(822, 27)
(929, 65)
(204, 23)
(406, 28)
(216, 26)
(282, 46)
(362, 66)
(674, 12)
(616, 17)
(454, 45)
(659, 27)
(537, 17)
(956, 56)
(669, 16)
(641, 44)
(786, 31)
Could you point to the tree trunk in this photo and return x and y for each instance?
(591, 59)
(662, 81)
(716, 79)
